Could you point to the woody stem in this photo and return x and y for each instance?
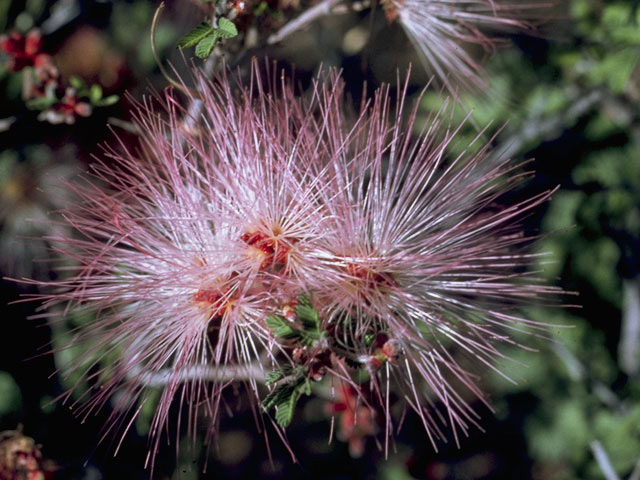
(200, 373)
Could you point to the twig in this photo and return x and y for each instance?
(629, 346)
(578, 372)
(635, 474)
(195, 106)
(62, 13)
(203, 373)
(325, 7)
(320, 10)
(165, 74)
(603, 461)
(352, 7)
(5, 123)
(545, 128)
(123, 124)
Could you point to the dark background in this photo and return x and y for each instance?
(567, 97)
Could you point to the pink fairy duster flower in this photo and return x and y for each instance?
(422, 259)
(184, 249)
(441, 30)
(193, 260)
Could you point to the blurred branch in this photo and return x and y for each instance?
(545, 128)
(603, 461)
(323, 8)
(326, 7)
(200, 373)
(5, 123)
(578, 372)
(352, 7)
(629, 346)
(320, 10)
(63, 12)
(123, 124)
(635, 474)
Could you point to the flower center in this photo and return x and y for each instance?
(266, 249)
(214, 300)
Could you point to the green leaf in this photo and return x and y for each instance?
(369, 337)
(280, 394)
(41, 103)
(77, 83)
(95, 94)
(107, 101)
(273, 377)
(226, 28)
(205, 46)
(260, 9)
(306, 387)
(281, 327)
(286, 409)
(10, 394)
(196, 35)
(307, 315)
(285, 396)
(146, 410)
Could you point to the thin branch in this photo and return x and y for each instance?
(320, 10)
(352, 7)
(202, 373)
(635, 474)
(123, 124)
(5, 123)
(603, 461)
(629, 346)
(196, 105)
(578, 372)
(546, 128)
(154, 51)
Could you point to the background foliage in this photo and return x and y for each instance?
(569, 98)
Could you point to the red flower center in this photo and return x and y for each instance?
(266, 247)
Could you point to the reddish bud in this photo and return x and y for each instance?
(373, 363)
(289, 312)
(318, 371)
(391, 349)
(300, 355)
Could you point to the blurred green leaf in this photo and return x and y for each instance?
(41, 103)
(107, 101)
(620, 436)
(147, 410)
(95, 94)
(615, 69)
(10, 395)
(564, 436)
(78, 84)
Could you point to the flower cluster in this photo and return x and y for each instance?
(45, 90)
(270, 240)
(21, 459)
(24, 50)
